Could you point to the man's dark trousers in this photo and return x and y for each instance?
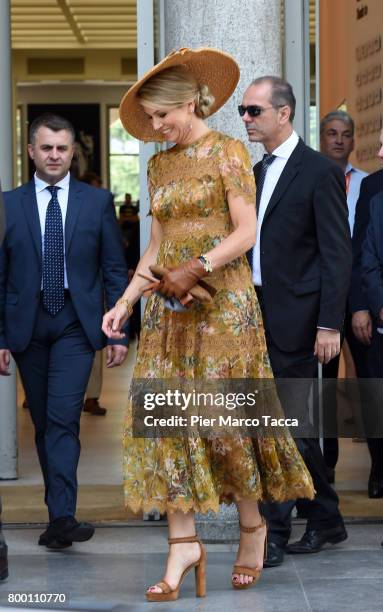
(371, 399)
(55, 369)
(322, 512)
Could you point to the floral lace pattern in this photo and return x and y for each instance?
(188, 187)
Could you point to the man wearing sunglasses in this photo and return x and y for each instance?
(301, 266)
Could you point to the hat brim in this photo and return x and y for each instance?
(211, 67)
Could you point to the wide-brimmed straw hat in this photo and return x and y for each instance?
(211, 67)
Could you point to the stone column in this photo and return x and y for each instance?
(8, 432)
(251, 32)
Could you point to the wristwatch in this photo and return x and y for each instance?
(206, 262)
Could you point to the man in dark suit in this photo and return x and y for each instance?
(364, 339)
(3, 545)
(337, 143)
(301, 267)
(61, 260)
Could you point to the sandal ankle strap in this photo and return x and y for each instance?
(252, 529)
(185, 540)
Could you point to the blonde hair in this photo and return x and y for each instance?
(175, 86)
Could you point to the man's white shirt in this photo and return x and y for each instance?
(356, 177)
(43, 197)
(274, 171)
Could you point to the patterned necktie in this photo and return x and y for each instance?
(53, 261)
(267, 160)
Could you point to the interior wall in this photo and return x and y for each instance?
(105, 64)
(351, 70)
(72, 76)
(70, 93)
(333, 50)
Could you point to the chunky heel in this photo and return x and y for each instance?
(169, 594)
(200, 575)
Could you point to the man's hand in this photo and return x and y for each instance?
(5, 359)
(362, 326)
(327, 345)
(115, 355)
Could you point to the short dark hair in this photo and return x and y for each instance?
(281, 93)
(53, 122)
(338, 115)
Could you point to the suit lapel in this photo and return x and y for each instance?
(29, 204)
(290, 171)
(74, 205)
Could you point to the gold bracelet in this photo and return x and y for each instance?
(125, 302)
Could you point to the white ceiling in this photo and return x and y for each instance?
(74, 24)
(83, 24)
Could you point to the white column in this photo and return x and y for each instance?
(249, 30)
(297, 61)
(8, 423)
(145, 61)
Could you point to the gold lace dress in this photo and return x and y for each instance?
(188, 186)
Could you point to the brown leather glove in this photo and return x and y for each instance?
(177, 281)
(201, 292)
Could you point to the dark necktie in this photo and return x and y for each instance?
(267, 160)
(53, 261)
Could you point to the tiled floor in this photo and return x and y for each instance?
(114, 568)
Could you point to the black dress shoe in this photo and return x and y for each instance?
(67, 530)
(49, 535)
(92, 405)
(313, 540)
(375, 488)
(3, 558)
(274, 556)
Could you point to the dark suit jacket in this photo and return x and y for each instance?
(369, 187)
(95, 262)
(305, 250)
(372, 257)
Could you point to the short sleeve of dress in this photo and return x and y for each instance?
(236, 170)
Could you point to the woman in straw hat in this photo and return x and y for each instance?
(202, 196)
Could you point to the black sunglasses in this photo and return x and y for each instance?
(252, 110)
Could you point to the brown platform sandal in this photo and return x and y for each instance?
(248, 571)
(200, 574)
